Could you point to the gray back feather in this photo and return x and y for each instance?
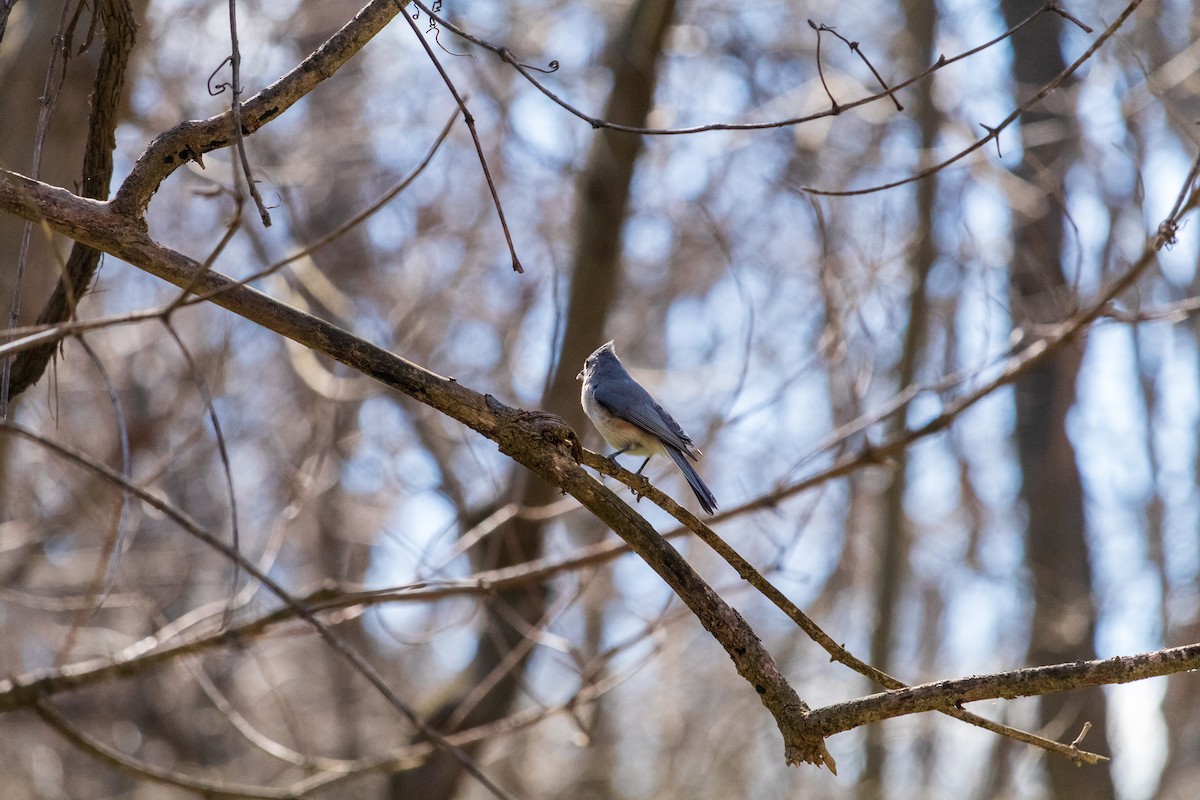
(623, 397)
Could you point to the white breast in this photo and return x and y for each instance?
(617, 432)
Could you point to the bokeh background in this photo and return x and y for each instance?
(1055, 520)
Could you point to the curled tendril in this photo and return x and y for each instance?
(436, 31)
(437, 38)
(551, 67)
(215, 89)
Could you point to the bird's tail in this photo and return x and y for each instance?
(703, 494)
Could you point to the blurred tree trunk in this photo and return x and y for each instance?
(1064, 614)
(76, 34)
(24, 59)
(29, 89)
(30, 38)
(503, 646)
(603, 729)
(893, 542)
(332, 116)
(1181, 773)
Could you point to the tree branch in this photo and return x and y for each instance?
(191, 139)
(1029, 682)
(994, 132)
(541, 442)
(837, 652)
(526, 71)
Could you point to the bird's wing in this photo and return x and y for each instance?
(627, 400)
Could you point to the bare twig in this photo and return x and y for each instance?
(536, 440)
(994, 132)
(821, 69)
(190, 140)
(854, 48)
(38, 335)
(222, 450)
(525, 70)
(335, 642)
(1062, 12)
(539, 441)
(470, 120)
(1054, 337)
(145, 770)
(1188, 200)
(231, 229)
(642, 486)
(345, 227)
(1172, 312)
(114, 545)
(235, 107)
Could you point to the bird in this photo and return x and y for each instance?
(632, 421)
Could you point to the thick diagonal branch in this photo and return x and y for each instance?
(187, 141)
(541, 442)
(191, 139)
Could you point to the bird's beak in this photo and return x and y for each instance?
(579, 377)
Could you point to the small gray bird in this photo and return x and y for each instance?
(630, 420)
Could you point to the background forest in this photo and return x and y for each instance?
(953, 419)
